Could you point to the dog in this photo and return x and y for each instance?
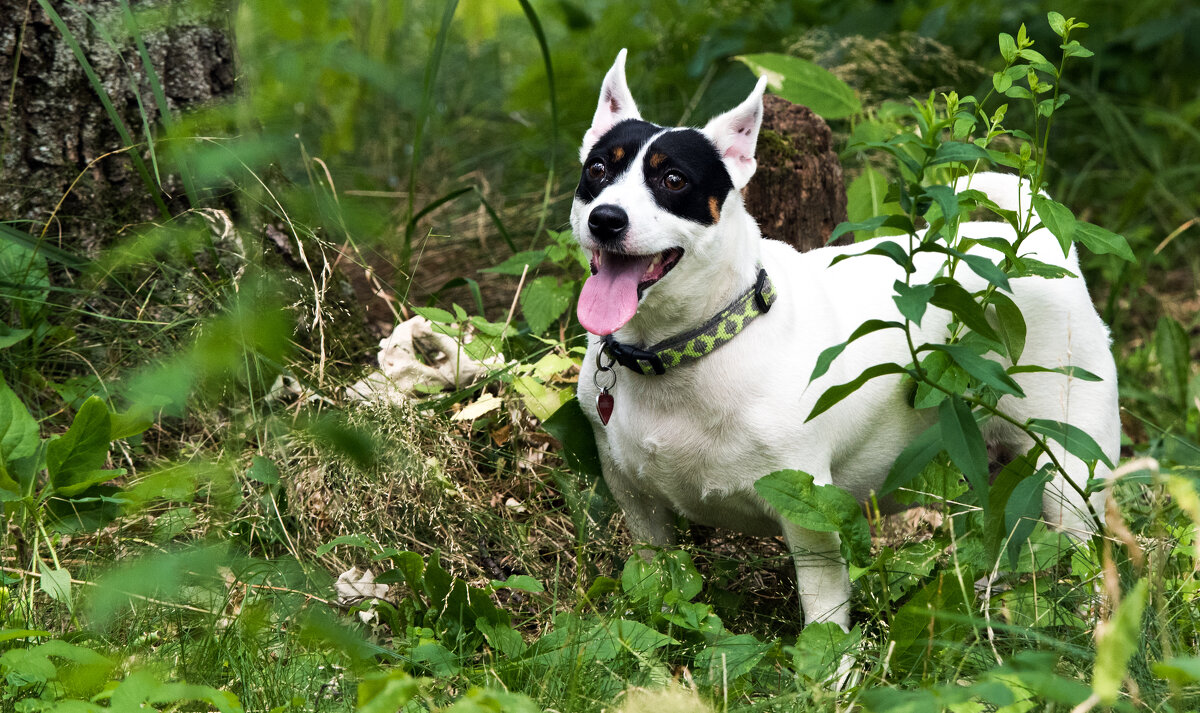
(689, 429)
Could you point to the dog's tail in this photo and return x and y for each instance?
(1006, 190)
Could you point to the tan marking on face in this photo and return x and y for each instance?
(715, 208)
(618, 153)
(656, 159)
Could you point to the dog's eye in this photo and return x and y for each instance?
(674, 181)
(596, 170)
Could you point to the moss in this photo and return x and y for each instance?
(772, 144)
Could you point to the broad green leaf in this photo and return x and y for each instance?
(912, 300)
(865, 196)
(913, 459)
(979, 264)
(385, 691)
(130, 423)
(436, 315)
(1116, 642)
(822, 508)
(825, 359)
(1013, 473)
(441, 661)
(504, 639)
(985, 370)
(1023, 510)
(1102, 241)
(11, 634)
(1058, 219)
(730, 658)
(10, 336)
(1008, 47)
(56, 583)
(80, 482)
(951, 297)
(820, 648)
(636, 636)
(1173, 350)
(964, 443)
(803, 82)
(77, 455)
(834, 394)
(885, 248)
(18, 435)
(523, 582)
(355, 540)
(868, 225)
(1032, 267)
(684, 580)
(1010, 323)
(1182, 670)
(940, 369)
(1058, 23)
(1077, 442)
(409, 568)
(959, 151)
(988, 270)
(1074, 49)
(946, 199)
(1072, 371)
(263, 470)
(543, 301)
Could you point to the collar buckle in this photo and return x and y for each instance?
(760, 287)
(631, 357)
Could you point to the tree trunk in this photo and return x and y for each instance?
(797, 194)
(58, 142)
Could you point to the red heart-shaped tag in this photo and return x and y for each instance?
(604, 406)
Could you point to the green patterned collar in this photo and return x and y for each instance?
(701, 341)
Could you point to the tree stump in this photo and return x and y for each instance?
(54, 130)
(797, 194)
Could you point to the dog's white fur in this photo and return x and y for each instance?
(694, 440)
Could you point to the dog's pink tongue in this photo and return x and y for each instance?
(610, 297)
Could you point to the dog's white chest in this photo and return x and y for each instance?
(699, 455)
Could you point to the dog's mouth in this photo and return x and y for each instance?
(610, 296)
(656, 268)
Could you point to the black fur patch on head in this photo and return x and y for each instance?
(616, 150)
(689, 154)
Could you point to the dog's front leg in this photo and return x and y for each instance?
(650, 519)
(821, 575)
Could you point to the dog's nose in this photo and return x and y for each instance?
(608, 223)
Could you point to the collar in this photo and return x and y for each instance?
(703, 340)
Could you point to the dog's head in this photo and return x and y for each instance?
(650, 202)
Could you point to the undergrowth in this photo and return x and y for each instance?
(200, 515)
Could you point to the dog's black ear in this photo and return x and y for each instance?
(616, 105)
(736, 132)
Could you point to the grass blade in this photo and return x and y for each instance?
(160, 99)
(536, 24)
(113, 116)
(427, 84)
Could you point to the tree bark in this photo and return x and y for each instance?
(797, 194)
(57, 140)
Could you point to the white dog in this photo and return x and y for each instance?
(660, 213)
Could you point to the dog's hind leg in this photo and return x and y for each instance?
(1077, 339)
(822, 579)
